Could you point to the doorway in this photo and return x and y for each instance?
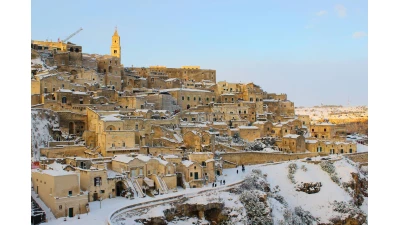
(71, 128)
(119, 188)
(71, 212)
(196, 175)
(95, 196)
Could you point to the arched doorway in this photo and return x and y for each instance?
(71, 49)
(71, 128)
(119, 188)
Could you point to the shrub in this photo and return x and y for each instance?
(257, 212)
(292, 171)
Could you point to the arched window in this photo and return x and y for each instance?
(64, 100)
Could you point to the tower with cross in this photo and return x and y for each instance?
(115, 44)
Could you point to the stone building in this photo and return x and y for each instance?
(187, 98)
(330, 146)
(293, 143)
(60, 191)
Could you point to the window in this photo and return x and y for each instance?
(207, 99)
(148, 172)
(69, 193)
(64, 100)
(45, 90)
(183, 97)
(97, 181)
(199, 98)
(60, 207)
(194, 98)
(115, 51)
(188, 98)
(191, 174)
(251, 99)
(123, 144)
(226, 99)
(102, 191)
(112, 145)
(193, 119)
(325, 129)
(194, 167)
(312, 130)
(213, 99)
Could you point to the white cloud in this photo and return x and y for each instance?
(321, 13)
(359, 34)
(341, 11)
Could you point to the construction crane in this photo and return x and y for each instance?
(70, 36)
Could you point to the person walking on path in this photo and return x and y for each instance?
(237, 171)
(224, 182)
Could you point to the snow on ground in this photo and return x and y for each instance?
(344, 170)
(345, 112)
(362, 148)
(277, 210)
(42, 121)
(364, 206)
(319, 203)
(99, 216)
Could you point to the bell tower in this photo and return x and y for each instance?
(115, 45)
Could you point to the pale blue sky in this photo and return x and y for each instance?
(315, 51)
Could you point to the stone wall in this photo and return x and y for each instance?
(251, 158)
(358, 157)
(62, 152)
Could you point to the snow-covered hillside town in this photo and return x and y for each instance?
(121, 145)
